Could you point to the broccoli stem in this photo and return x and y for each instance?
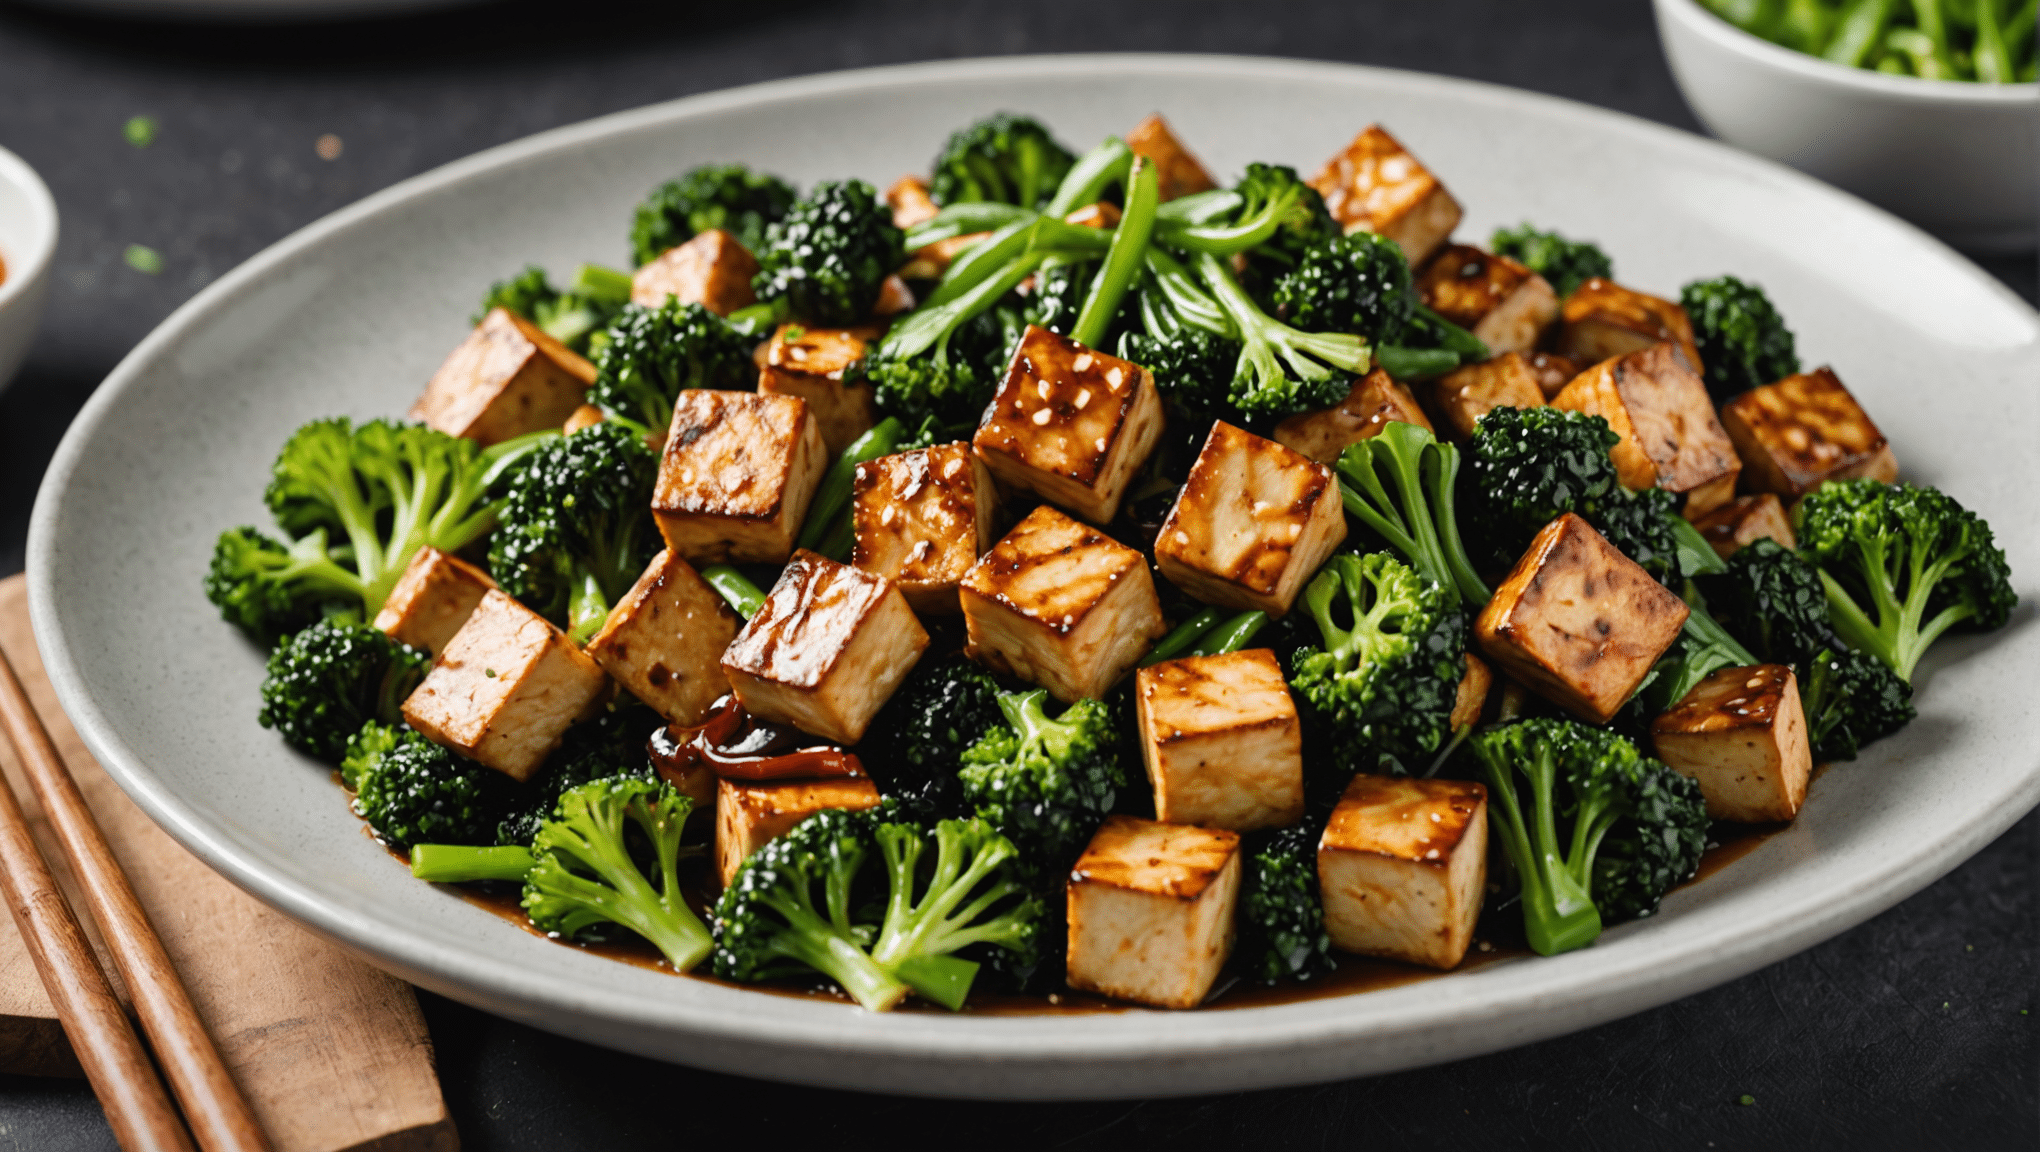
(1426, 528)
(819, 944)
(1123, 260)
(1362, 643)
(1264, 339)
(1558, 912)
(1992, 55)
(833, 497)
(1899, 636)
(735, 588)
(1088, 178)
(1232, 635)
(933, 323)
(1186, 299)
(461, 863)
(1859, 32)
(1453, 337)
(587, 609)
(917, 936)
(1182, 637)
(1696, 556)
(964, 219)
(613, 888)
(1415, 363)
(984, 259)
(604, 285)
(1232, 239)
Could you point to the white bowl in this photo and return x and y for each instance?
(1960, 160)
(28, 239)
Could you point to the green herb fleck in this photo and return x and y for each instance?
(489, 672)
(140, 131)
(1746, 1100)
(794, 332)
(143, 258)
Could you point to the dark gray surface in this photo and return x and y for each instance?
(1908, 1032)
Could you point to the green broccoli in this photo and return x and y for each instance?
(1045, 783)
(1281, 918)
(575, 315)
(651, 354)
(613, 744)
(1359, 284)
(328, 680)
(825, 261)
(969, 895)
(1005, 158)
(1851, 699)
(916, 742)
(586, 872)
(1743, 342)
(412, 791)
(943, 389)
(1567, 264)
(272, 590)
(726, 196)
(1402, 483)
(1192, 367)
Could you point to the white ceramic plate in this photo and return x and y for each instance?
(353, 313)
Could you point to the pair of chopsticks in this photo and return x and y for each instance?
(119, 1069)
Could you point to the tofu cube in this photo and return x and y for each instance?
(1746, 519)
(750, 814)
(826, 650)
(1553, 372)
(1252, 523)
(910, 203)
(586, 416)
(1742, 734)
(1220, 739)
(507, 378)
(665, 638)
(1151, 911)
(1497, 299)
(1374, 401)
(1802, 431)
(1602, 319)
(736, 476)
(1466, 394)
(507, 687)
(1474, 687)
(923, 518)
(809, 363)
(1070, 425)
(713, 269)
(1670, 437)
(1177, 172)
(432, 599)
(1402, 868)
(1061, 604)
(1579, 622)
(1375, 185)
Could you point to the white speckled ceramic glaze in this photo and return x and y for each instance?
(352, 314)
(28, 240)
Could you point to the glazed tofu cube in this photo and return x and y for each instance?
(665, 638)
(809, 363)
(1803, 431)
(1375, 400)
(1602, 319)
(1497, 299)
(1375, 185)
(826, 650)
(1746, 519)
(1059, 603)
(506, 688)
(736, 476)
(1177, 172)
(432, 599)
(1742, 734)
(1465, 395)
(1151, 911)
(1220, 739)
(750, 814)
(1101, 215)
(713, 269)
(894, 297)
(910, 203)
(1474, 687)
(1579, 622)
(1070, 425)
(1252, 523)
(1553, 372)
(586, 416)
(1402, 868)
(507, 378)
(923, 518)
(1670, 438)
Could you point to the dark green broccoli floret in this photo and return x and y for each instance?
(1743, 342)
(1772, 600)
(327, 681)
(1902, 564)
(613, 744)
(651, 354)
(1567, 264)
(825, 261)
(1595, 831)
(412, 791)
(1045, 782)
(1192, 367)
(916, 743)
(944, 388)
(726, 196)
(573, 315)
(966, 895)
(1282, 920)
(1359, 284)
(1005, 158)
(1851, 699)
(576, 528)
(1402, 483)
(587, 873)
(272, 589)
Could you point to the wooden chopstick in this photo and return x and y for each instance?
(219, 1115)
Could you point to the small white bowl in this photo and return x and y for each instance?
(28, 241)
(1960, 160)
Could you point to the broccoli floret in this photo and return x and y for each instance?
(826, 260)
(573, 316)
(586, 873)
(967, 895)
(916, 742)
(1595, 831)
(943, 389)
(1282, 921)
(1901, 565)
(726, 196)
(613, 744)
(272, 589)
(576, 527)
(412, 791)
(1004, 158)
(651, 354)
(1851, 699)
(1192, 367)
(1402, 483)
(1359, 283)
(1743, 342)
(1567, 264)
(327, 681)
(1045, 783)
(1281, 370)
(1772, 600)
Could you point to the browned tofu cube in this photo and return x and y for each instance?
(1465, 395)
(1151, 911)
(1579, 622)
(1375, 400)
(1252, 523)
(1553, 372)
(665, 638)
(826, 650)
(432, 599)
(736, 476)
(1497, 299)
(1220, 739)
(809, 363)
(1474, 687)
(586, 416)
(1177, 172)
(1059, 603)
(1375, 185)
(1102, 215)
(507, 687)
(1402, 868)
(507, 378)
(1741, 733)
(1070, 425)
(1669, 437)
(750, 814)
(1602, 319)
(713, 270)
(1803, 431)
(910, 203)
(1746, 519)
(923, 518)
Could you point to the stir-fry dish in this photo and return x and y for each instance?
(1062, 572)
(1985, 41)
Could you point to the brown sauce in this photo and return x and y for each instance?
(736, 744)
